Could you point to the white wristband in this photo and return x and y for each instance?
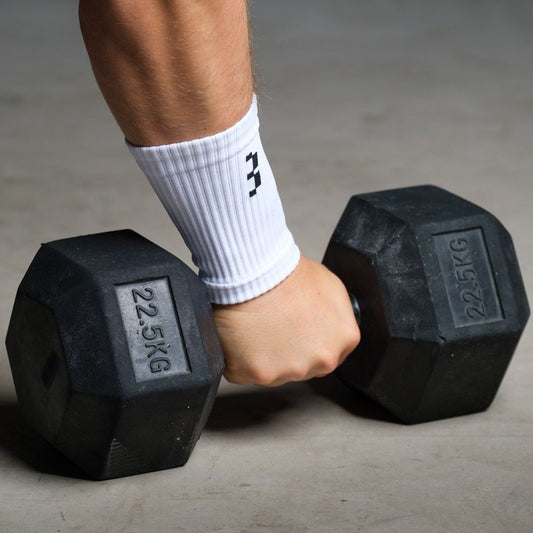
(221, 194)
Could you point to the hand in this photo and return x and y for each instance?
(303, 328)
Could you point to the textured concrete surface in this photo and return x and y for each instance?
(356, 96)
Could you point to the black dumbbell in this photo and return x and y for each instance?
(116, 360)
(441, 300)
(114, 353)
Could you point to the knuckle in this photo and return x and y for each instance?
(295, 370)
(263, 378)
(248, 376)
(351, 343)
(299, 373)
(354, 339)
(328, 363)
(234, 378)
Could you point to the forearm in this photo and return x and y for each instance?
(179, 70)
(162, 69)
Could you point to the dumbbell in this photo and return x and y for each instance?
(116, 361)
(441, 299)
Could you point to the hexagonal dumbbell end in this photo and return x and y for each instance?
(114, 353)
(441, 298)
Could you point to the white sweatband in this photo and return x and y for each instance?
(221, 194)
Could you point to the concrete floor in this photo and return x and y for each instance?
(356, 96)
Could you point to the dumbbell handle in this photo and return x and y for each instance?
(356, 308)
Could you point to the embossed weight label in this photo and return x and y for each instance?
(468, 277)
(154, 340)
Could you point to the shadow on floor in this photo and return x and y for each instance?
(19, 440)
(350, 400)
(238, 410)
(232, 411)
(256, 407)
(355, 403)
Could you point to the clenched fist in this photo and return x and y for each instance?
(303, 328)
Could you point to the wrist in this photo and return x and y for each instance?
(221, 194)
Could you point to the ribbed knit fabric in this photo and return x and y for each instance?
(221, 194)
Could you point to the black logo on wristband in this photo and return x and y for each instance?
(254, 174)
